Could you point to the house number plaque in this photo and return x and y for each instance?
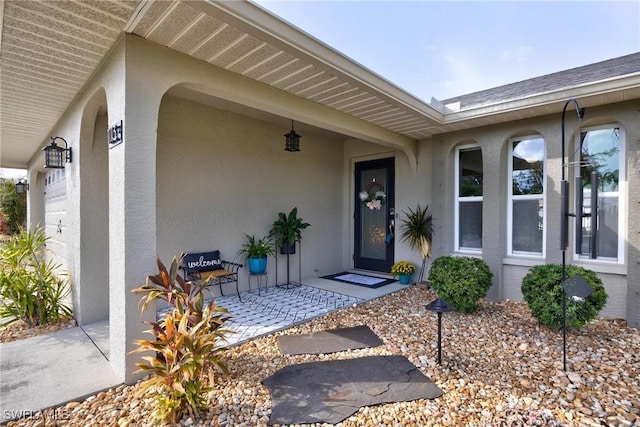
(114, 134)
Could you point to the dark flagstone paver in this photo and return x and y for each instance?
(331, 391)
(330, 341)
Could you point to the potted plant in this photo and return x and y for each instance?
(404, 270)
(256, 252)
(287, 230)
(417, 229)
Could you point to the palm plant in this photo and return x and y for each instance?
(417, 229)
(32, 288)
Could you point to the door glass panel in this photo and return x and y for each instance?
(373, 213)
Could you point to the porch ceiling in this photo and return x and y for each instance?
(50, 49)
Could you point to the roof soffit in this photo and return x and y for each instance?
(50, 50)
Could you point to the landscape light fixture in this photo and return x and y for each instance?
(439, 306)
(292, 140)
(22, 186)
(55, 157)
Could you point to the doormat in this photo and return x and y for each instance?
(331, 391)
(359, 279)
(330, 341)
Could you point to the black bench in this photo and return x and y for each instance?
(208, 267)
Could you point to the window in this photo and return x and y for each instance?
(601, 153)
(468, 199)
(526, 196)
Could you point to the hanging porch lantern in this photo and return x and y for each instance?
(292, 140)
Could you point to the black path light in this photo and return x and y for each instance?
(292, 140)
(439, 306)
(22, 186)
(55, 157)
(576, 288)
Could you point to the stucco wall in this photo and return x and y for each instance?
(222, 174)
(621, 279)
(93, 291)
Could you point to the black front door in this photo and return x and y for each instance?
(374, 215)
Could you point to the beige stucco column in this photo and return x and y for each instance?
(554, 164)
(493, 216)
(633, 220)
(132, 207)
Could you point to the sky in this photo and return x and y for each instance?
(443, 49)
(14, 174)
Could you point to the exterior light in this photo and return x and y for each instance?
(55, 157)
(22, 186)
(439, 306)
(292, 140)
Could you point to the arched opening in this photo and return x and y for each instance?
(91, 295)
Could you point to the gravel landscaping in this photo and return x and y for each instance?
(499, 368)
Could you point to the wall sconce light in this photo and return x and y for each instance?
(54, 156)
(22, 186)
(292, 140)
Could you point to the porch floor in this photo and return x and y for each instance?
(273, 309)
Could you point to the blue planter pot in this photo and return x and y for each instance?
(404, 279)
(257, 265)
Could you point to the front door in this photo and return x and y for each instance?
(374, 215)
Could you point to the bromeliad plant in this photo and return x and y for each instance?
(32, 288)
(403, 267)
(185, 345)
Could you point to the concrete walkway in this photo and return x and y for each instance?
(50, 370)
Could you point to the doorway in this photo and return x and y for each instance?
(374, 215)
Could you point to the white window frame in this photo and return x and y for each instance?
(511, 197)
(620, 194)
(457, 198)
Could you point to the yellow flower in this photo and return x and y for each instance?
(403, 267)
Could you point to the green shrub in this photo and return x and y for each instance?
(461, 281)
(542, 290)
(13, 206)
(31, 287)
(185, 345)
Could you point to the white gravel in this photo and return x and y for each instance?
(499, 368)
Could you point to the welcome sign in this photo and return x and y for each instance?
(203, 261)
